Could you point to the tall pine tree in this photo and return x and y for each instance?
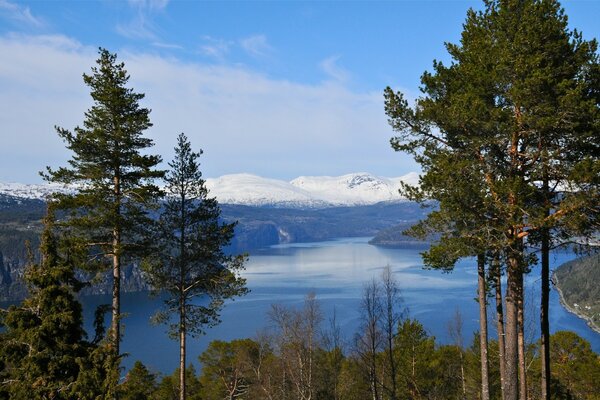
(192, 267)
(519, 103)
(110, 175)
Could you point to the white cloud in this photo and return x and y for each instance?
(245, 121)
(20, 14)
(330, 67)
(256, 45)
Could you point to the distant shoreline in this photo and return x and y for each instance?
(572, 310)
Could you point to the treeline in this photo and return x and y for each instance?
(304, 358)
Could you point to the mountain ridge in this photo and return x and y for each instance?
(353, 189)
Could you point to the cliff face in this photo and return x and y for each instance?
(5, 278)
(11, 284)
(13, 288)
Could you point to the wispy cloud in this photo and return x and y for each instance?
(163, 45)
(20, 14)
(138, 28)
(151, 5)
(214, 47)
(333, 70)
(256, 45)
(141, 26)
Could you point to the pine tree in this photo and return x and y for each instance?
(192, 262)
(519, 104)
(110, 175)
(139, 383)
(44, 351)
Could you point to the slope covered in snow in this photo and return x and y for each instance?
(257, 191)
(354, 189)
(246, 189)
(308, 191)
(30, 191)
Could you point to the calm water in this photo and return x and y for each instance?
(336, 271)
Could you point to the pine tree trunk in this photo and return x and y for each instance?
(545, 301)
(521, 340)
(116, 292)
(500, 325)
(483, 333)
(511, 390)
(182, 302)
(115, 328)
(182, 336)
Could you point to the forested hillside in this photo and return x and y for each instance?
(577, 282)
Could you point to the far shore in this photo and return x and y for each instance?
(573, 310)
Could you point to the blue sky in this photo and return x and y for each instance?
(278, 89)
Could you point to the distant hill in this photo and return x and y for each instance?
(258, 226)
(577, 282)
(394, 237)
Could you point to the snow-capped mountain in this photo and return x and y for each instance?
(354, 189)
(308, 191)
(31, 191)
(305, 191)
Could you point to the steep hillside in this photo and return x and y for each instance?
(577, 282)
(394, 237)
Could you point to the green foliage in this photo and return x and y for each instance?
(168, 388)
(353, 383)
(44, 352)
(414, 350)
(112, 176)
(139, 383)
(191, 239)
(575, 368)
(227, 369)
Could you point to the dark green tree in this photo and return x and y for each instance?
(139, 383)
(227, 370)
(415, 352)
(44, 352)
(169, 387)
(110, 176)
(192, 264)
(519, 104)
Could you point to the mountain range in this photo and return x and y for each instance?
(247, 189)
(267, 211)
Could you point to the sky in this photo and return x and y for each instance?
(278, 89)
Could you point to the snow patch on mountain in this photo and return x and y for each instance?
(247, 189)
(354, 189)
(31, 191)
(254, 190)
